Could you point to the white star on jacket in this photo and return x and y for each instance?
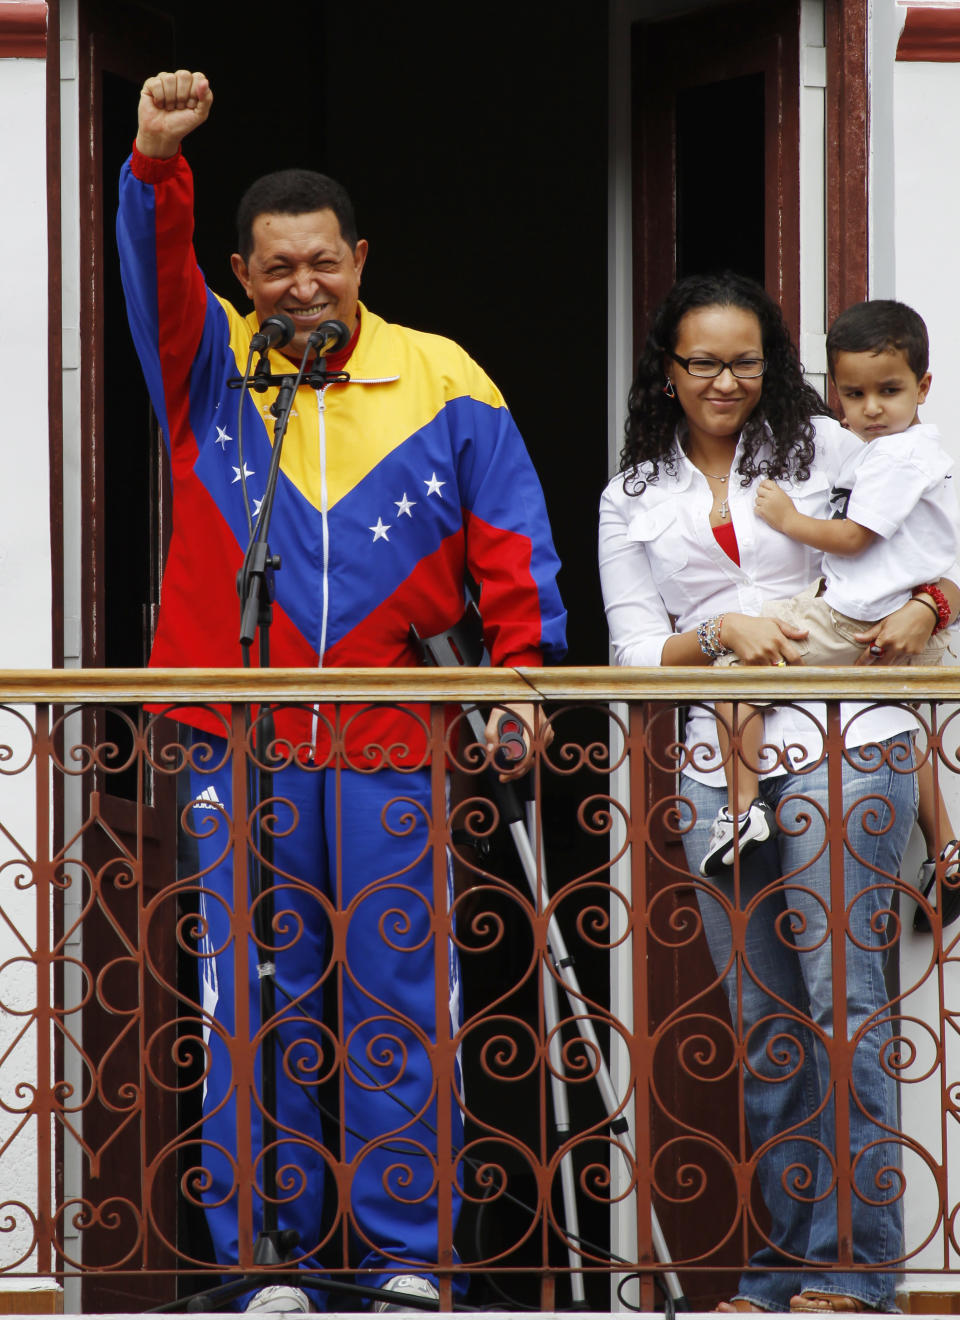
(406, 506)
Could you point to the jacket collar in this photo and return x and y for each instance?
(373, 360)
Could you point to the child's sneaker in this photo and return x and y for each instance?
(755, 826)
(927, 884)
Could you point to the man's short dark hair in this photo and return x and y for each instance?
(878, 326)
(293, 192)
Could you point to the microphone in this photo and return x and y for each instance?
(274, 333)
(329, 337)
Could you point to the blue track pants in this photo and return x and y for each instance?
(354, 908)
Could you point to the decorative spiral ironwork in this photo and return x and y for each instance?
(171, 1094)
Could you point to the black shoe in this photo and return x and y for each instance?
(754, 827)
(927, 884)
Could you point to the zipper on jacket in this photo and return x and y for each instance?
(370, 380)
(324, 523)
(325, 533)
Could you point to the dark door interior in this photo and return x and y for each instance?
(477, 164)
(720, 224)
(716, 150)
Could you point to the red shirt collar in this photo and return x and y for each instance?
(337, 361)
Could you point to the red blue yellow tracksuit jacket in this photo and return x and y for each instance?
(393, 486)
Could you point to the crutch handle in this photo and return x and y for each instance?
(512, 746)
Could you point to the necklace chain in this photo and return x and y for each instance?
(724, 508)
(715, 475)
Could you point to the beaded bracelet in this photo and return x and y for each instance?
(708, 636)
(941, 605)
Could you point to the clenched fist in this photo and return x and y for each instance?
(171, 106)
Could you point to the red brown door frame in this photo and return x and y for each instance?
(138, 838)
(848, 140)
(754, 36)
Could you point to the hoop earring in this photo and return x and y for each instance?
(668, 389)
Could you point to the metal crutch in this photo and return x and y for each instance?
(561, 1110)
(461, 646)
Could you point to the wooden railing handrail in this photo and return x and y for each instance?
(599, 683)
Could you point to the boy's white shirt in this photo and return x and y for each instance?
(903, 490)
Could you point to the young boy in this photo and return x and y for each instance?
(895, 530)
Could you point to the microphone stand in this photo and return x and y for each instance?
(255, 587)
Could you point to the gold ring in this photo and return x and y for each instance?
(781, 661)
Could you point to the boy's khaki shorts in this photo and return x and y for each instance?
(829, 639)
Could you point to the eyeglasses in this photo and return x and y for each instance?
(743, 368)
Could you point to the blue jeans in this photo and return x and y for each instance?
(778, 968)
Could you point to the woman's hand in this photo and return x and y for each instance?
(902, 634)
(761, 641)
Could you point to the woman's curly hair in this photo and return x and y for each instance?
(786, 405)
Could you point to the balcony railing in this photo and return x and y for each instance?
(585, 1079)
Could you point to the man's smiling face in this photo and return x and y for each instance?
(302, 266)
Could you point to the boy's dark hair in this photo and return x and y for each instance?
(878, 326)
(293, 192)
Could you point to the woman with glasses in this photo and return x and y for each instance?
(719, 403)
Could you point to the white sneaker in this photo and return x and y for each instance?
(754, 827)
(927, 884)
(280, 1299)
(407, 1285)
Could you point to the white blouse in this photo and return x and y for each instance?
(662, 571)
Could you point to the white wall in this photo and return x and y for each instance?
(25, 608)
(886, 23)
(927, 211)
(25, 590)
(923, 191)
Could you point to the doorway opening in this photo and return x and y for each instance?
(485, 223)
(720, 226)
